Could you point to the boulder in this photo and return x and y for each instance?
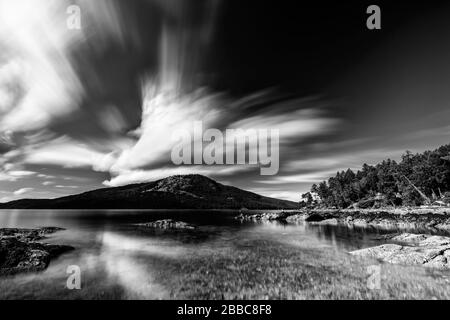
(314, 217)
(332, 221)
(299, 217)
(412, 249)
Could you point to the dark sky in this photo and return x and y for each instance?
(81, 109)
(301, 47)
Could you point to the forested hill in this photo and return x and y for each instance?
(417, 179)
(176, 192)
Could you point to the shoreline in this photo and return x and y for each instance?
(23, 250)
(429, 218)
(422, 249)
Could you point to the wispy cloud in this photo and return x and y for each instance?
(62, 116)
(66, 187)
(22, 191)
(11, 172)
(136, 176)
(313, 177)
(65, 152)
(37, 81)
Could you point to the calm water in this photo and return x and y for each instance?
(223, 258)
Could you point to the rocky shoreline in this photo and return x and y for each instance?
(437, 219)
(412, 249)
(404, 248)
(21, 250)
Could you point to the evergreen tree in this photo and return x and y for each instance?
(417, 178)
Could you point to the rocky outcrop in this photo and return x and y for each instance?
(315, 217)
(265, 216)
(168, 224)
(378, 218)
(296, 218)
(20, 251)
(27, 235)
(387, 219)
(290, 217)
(412, 249)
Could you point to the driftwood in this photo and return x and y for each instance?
(423, 195)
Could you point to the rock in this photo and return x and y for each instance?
(439, 262)
(443, 226)
(426, 250)
(359, 222)
(267, 216)
(436, 241)
(409, 237)
(399, 218)
(315, 217)
(19, 251)
(167, 224)
(17, 256)
(27, 234)
(300, 217)
(332, 221)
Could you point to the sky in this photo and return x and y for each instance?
(94, 107)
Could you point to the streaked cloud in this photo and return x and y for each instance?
(66, 187)
(22, 191)
(37, 81)
(81, 108)
(64, 152)
(136, 176)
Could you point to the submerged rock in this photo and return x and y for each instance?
(167, 224)
(19, 251)
(412, 249)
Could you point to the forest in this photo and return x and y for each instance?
(418, 179)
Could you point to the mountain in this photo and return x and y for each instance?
(175, 192)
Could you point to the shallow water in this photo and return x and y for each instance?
(222, 258)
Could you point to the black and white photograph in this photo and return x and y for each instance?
(224, 150)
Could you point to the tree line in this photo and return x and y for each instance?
(417, 179)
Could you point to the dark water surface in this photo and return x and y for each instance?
(222, 258)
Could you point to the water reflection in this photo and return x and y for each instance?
(122, 260)
(132, 245)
